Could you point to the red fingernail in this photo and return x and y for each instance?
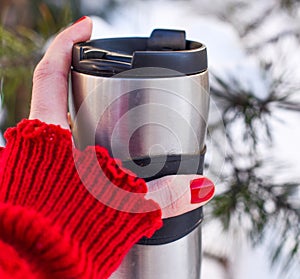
(81, 19)
(202, 189)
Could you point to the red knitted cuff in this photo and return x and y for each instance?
(86, 199)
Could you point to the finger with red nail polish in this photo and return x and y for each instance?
(179, 194)
(202, 190)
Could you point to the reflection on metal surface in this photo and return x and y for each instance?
(180, 259)
(140, 117)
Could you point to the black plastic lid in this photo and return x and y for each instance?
(164, 49)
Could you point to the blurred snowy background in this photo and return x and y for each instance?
(252, 227)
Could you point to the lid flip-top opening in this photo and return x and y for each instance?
(165, 48)
(166, 40)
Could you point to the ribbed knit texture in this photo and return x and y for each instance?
(51, 226)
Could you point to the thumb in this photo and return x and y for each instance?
(50, 78)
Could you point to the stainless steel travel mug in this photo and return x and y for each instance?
(146, 100)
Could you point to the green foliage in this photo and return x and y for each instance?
(22, 48)
(52, 18)
(18, 55)
(252, 198)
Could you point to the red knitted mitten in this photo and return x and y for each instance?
(67, 213)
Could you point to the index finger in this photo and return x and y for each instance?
(174, 193)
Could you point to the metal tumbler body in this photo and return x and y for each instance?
(180, 259)
(140, 117)
(146, 100)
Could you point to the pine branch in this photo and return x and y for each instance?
(257, 22)
(250, 197)
(287, 33)
(265, 204)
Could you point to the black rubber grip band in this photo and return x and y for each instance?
(169, 165)
(175, 228)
